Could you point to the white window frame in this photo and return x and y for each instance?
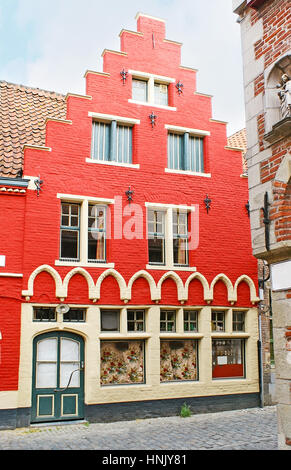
(108, 118)
(169, 254)
(84, 202)
(151, 79)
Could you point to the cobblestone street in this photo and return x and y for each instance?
(251, 429)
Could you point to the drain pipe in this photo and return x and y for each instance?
(260, 342)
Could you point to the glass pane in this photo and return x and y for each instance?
(46, 375)
(47, 349)
(96, 246)
(69, 244)
(178, 360)
(65, 208)
(139, 314)
(65, 220)
(122, 362)
(75, 209)
(156, 250)
(180, 251)
(139, 90)
(110, 321)
(161, 94)
(66, 370)
(69, 350)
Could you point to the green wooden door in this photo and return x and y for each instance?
(58, 377)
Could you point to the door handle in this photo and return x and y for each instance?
(76, 370)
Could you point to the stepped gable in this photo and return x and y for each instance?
(24, 111)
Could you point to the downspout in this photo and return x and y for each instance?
(260, 342)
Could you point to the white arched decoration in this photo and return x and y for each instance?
(151, 282)
(91, 286)
(203, 280)
(181, 291)
(55, 275)
(119, 278)
(230, 292)
(249, 281)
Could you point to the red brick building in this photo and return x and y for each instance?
(266, 50)
(128, 284)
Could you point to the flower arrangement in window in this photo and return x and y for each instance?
(178, 360)
(122, 362)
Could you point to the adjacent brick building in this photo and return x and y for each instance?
(128, 284)
(266, 49)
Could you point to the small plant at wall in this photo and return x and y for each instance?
(185, 411)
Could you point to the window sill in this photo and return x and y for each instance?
(153, 105)
(182, 336)
(84, 265)
(186, 172)
(171, 268)
(101, 162)
(116, 335)
(231, 335)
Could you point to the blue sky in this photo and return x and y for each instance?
(50, 44)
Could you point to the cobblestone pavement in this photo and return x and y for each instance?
(251, 429)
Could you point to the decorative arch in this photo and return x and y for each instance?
(119, 278)
(55, 275)
(230, 291)
(250, 282)
(182, 294)
(91, 286)
(203, 280)
(150, 280)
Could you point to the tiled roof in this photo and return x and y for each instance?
(23, 111)
(239, 140)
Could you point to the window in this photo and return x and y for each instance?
(161, 94)
(190, 320)
(150, 89)
(122, 363)
(218, 320)
(96, 233)
(75, 315)
(45, 314)
(238, 321)
(168, 321)
(178, 360)
(110, 320)
(70, 231)
(135, 320)
(156, 236)
(180, 237)
(139, 90)
(185, 152)
(111, 142)
(228, 358)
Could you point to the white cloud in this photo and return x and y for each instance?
(71, 36)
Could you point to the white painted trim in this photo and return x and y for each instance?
(197, 132)
(10, 275)
(83, 265)
(153, 105)
(111, 117)
(186, 172)
(157, 205)
(74, 197)
(171, 268)
(148, 16)
(102, 162)
(160, 78)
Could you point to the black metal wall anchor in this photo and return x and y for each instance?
(38, 184)
(124, 75)
(207, 203)
(153, 119)
(266, 220)
(180, 87)
(129, 195)
(248, 208)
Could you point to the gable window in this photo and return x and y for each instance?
(161, 94)
(111, 142)
(96, 233)
(70, 231)
(185, 152)
(156, 236)
(180, 237)
(139, 90)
